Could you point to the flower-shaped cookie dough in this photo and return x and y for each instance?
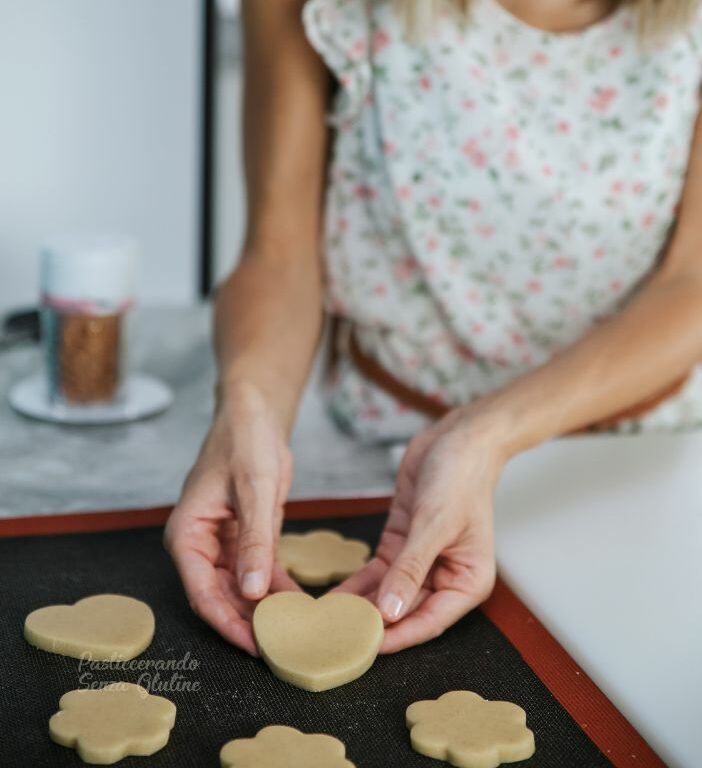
(105, 725)
(468, 731)
(321, 557)
(278, 746)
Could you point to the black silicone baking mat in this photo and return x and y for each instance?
(237, 694)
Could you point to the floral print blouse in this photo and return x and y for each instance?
(495, 191)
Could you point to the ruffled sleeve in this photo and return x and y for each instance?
(339, 30)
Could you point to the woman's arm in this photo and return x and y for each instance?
(269, 311)
(655, 340)
(222, 533)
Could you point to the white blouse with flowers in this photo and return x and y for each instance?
(495, 191)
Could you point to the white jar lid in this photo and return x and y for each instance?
(100, 270)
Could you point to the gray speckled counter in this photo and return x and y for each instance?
(46, 468)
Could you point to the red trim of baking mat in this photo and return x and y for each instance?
(574, 690)
(567, 682)
(119, 520)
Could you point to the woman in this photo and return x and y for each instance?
(498, 243)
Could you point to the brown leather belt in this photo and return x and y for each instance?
(371, 370)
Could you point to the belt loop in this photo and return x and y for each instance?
(343, 337)
(337, 345)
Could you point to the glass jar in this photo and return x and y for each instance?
(87, 291)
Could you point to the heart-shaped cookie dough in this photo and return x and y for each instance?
(321, 557)
(101, 627)
(317, 644)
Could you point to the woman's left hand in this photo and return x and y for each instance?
(435, 561)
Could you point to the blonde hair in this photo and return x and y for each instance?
(655, 17)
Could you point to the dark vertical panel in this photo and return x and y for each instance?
(207, 159)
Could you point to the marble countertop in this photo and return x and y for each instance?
(48, 468)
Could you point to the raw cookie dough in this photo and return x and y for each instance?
(105, 725)
(101, 627)
(469, 731)
(321, 557)
(317, 644)
(278, 746)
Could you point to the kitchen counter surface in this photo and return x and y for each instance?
(47, 468)
(601, 536)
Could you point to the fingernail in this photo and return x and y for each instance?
(252, 583)
(391, 606)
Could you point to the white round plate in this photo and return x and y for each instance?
(141, 396)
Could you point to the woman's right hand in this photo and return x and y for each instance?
(223, 532)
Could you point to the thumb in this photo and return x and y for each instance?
(256, 509)
(403, 581)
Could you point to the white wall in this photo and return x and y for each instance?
(229, 197)
(99, 131)
(229, 192)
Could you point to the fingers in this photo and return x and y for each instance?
(286, 474)
(407, 573)
(208, 599)
(222, 534)
(260, 471)
(256, 503)
(364, 581)
(405, 545)
(432, 617)
(281, 581)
